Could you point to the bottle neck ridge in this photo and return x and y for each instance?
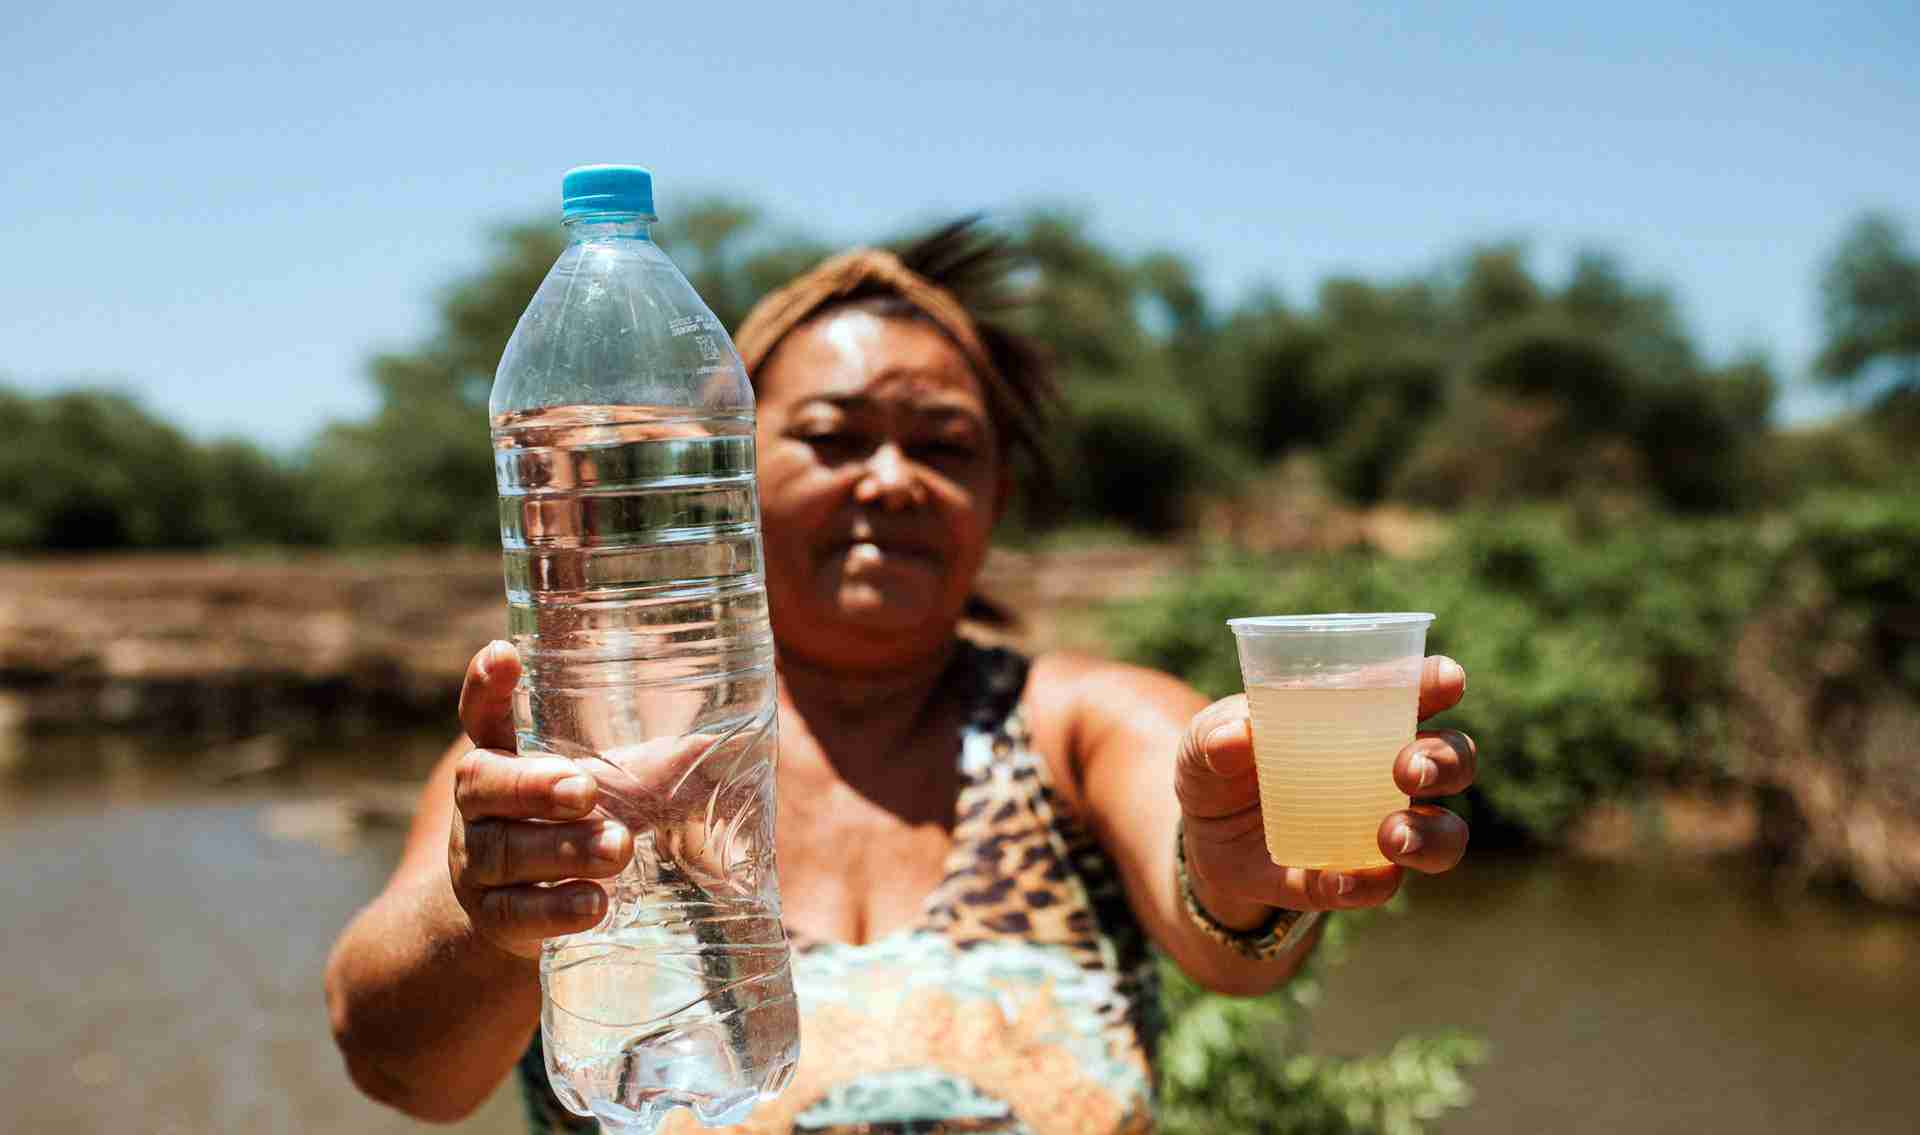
(609, 226)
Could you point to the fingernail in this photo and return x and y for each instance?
(1345, 885)
(608, 844)
(498, 651)
(1450, 671)
(1215, 737)
(1409, 840)
(1424, 770)
(584, 903)
(574, 792)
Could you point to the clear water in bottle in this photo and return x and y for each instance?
(623, 444)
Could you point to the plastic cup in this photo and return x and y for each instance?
(1333, 699)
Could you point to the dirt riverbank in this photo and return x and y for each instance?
(216, 647)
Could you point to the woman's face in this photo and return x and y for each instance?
(880, 481)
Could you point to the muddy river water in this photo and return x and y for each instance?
(164, 955)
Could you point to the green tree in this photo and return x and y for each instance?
(256, 498)
(1639, 321)
(1496, 287)
(1261, 390)
(1138, 457)
(421, 469)
(732, 256)
(1086, 304)
(1476, 382)
(1870, 306)
(1503, 389)
(1378, 397)
(91, 470)
(1134, 340)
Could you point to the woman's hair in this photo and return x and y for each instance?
(972, 270)
(966, 266)
(977, 268)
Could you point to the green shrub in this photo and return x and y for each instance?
(1848, 580)
(93, 470)
(1240, 1064)
(1595, 660)
(1260, 393)
(1384, 398)
(1551, 359)
(1137, 455)
(1697, 438)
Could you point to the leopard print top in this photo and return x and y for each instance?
(1022, 999)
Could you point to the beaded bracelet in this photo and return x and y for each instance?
(1282, 930)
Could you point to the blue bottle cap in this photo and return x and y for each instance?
(587, 190)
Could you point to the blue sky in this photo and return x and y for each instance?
(227, 208)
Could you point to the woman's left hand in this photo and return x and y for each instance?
(1226, 843)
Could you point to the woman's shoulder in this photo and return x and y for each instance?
(1070, 670)
(1077, 702)
(1076, 683)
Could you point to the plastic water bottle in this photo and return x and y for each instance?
(623, 449)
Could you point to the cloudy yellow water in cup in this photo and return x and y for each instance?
(1333, 699)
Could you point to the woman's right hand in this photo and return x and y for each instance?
(524, 821)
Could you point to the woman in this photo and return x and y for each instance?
(975, 850)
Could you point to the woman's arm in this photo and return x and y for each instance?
(1143, 751)
(433, 990)
(428, 1014)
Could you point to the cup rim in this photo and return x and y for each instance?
(1342, 622)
